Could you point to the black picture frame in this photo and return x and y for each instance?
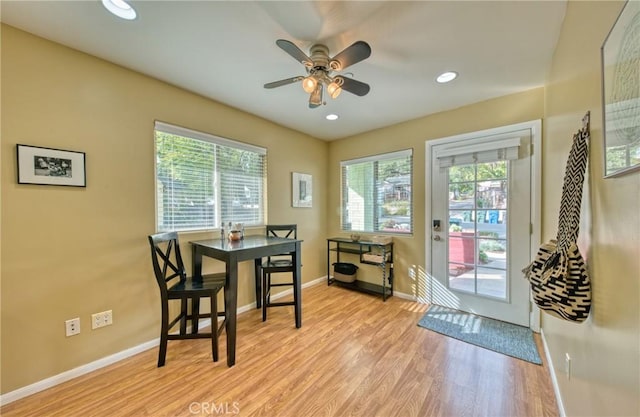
(49, 166)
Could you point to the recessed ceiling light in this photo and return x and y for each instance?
(120, 8)
(445, 77)
(332, 116)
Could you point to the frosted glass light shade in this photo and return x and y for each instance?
(316, 96)
(309, 84)
(334, 90)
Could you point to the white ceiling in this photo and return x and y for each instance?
(226, 50)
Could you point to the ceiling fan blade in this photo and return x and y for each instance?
(295, 52)
(283, 82)
(351, 55)
(354, 86)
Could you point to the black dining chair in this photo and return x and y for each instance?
(277, 264)
(174, 284)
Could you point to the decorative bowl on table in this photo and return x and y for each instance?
(355, 238)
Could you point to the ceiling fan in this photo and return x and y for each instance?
(320, 68)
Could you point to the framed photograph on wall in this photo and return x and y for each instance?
(302, 194)
(47, 166)
(621, 92)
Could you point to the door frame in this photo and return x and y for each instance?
(535, 126)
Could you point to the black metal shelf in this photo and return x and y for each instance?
(370, 263)
(350, 250)
(360, 248)
(364, 286)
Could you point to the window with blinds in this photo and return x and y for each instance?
(204, 180)
(376, 193)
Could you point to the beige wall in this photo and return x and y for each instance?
(605, 350)
(410, 250)
(70, 252)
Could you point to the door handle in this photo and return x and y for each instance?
(437, 238)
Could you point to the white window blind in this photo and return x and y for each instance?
(204, 180)
(376, 193)
(506, 149)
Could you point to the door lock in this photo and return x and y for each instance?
(437, 238)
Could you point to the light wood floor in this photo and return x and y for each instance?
(353, 356)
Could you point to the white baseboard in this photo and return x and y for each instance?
(75, 372)
(552, 373)
(405, 296)
(106, 361)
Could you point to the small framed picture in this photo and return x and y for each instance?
(47, 166)
(301, 190)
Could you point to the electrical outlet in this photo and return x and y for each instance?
(567, 365)
(104, 318)
(72, 327)
(96, 320)
(108, 317)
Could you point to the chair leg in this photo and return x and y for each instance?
(183, 319)
(222, 313)
(214, 325)
(164, 332)
(195, 314)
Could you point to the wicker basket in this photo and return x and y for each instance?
(345, 272)
(381, 239)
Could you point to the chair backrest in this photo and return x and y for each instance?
(289, 231)
(166, 259)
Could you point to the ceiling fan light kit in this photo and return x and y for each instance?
(320, 68)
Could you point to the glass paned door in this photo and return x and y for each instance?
(477, 249)
(480, 198)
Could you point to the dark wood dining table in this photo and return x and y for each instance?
(231, 253)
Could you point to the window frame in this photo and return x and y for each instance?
(170, 129)
(376, 206)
